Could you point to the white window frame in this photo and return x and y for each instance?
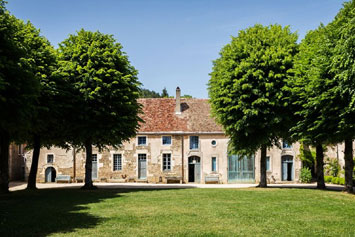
(171, 140)
(214, 144)
(162, 162)
(113, 162)
(146, 140)
(47, 158)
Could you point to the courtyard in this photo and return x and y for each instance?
(173, 210)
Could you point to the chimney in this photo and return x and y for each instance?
(178, 104)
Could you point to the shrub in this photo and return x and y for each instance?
(306, 175)
(332, 167)
(335, 180)
(342, 181)
(328, 179)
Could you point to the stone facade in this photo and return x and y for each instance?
(63, 161)
(16, 162)
(180, 153)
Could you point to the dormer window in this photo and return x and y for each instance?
(142, 140)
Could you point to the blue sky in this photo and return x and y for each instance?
(171, 42)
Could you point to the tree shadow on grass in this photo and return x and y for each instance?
(46, 211)
(42, 212)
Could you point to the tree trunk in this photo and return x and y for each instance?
(4, 162)
(31, 183)
(319, 166)
(263, 183)
(88, 167)
(349, 165)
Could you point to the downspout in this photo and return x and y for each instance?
(182, 159)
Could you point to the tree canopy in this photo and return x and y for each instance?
(19, 87)
(104, 108)
(248, 88)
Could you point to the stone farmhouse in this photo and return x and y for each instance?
(179, 142)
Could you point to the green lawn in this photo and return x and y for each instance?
(182, 212)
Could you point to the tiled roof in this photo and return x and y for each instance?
(159, 116)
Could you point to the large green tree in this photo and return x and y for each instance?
(46, 120)
(248, 89)
(343, 67)
(104, 108)
(18, 85)
(310, 93)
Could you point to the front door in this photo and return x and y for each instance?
(142, 166)
(287, 168)
(194, 169)
(240, 169)
(94, 167)
(50, 174)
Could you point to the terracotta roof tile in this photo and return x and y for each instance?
(159, 116)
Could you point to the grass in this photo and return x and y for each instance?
(177, 212)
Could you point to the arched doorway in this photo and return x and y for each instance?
(194, 169)
(50, 175)
(287, 168)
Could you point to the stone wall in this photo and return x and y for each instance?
(179, 149)
(16, 162)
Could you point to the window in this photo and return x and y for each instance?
(142, 141)
(117, 162)
(214, 164)
(213, 142)
(166, 162)
(286, 145)
(268, 163)
(94, 157)
(193, 142)
(50, 158)
(166, 140)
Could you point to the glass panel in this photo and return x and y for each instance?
(142, 140)
(142, 166)
(94, 166)
(50, 158)
(166, 140)
(193, 142)
(240, 169)
(117, 162)
(166, 161)
(214, 164)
